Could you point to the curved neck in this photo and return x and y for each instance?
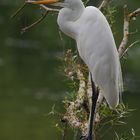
(68, 16)
(75, 10)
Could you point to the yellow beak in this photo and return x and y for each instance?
(43, 1)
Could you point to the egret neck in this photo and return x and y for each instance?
(69, 15)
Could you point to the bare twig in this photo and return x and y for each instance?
(103, 4)
(39, 20)
(134, 32)
(49, 9)
(35, 23)
(134, 14)
(19, 10)
(126, 50)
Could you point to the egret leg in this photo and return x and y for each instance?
(95, 93)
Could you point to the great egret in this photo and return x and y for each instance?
(96, 46)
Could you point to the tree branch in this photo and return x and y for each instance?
(77, 110)
(73, 108)
(127, 18)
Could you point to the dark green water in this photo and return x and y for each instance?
(30, 75)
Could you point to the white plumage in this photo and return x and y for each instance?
(96, 46)
(95, 43)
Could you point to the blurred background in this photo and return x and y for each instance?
(31, 76)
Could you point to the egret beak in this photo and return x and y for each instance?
(48, 2)
(45, 2)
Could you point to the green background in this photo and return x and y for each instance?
(31, 76)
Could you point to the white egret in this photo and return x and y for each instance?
(96, 46)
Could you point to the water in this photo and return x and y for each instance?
(31, 81)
